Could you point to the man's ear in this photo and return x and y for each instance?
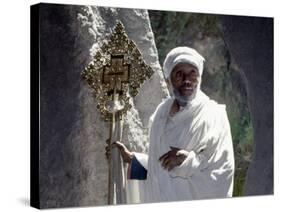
(169, 86)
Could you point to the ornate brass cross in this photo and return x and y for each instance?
(120, 65)
(114, 76)
(117, 73)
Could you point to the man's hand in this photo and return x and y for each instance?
(173, 158)
(125, 153)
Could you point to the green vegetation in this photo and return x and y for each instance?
(242, 135)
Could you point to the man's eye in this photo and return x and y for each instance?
(193, 74)
(178, 74)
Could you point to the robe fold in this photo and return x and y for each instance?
(202, 130)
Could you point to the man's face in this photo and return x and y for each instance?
(184, 78)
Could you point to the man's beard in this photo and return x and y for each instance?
(183, 100)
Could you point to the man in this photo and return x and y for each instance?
(190, 146)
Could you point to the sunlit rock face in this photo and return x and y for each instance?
(73, 166)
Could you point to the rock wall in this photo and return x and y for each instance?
(250, 41)
(73, 167)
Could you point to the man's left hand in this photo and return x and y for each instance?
(173, 158)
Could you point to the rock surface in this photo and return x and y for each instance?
(250, 41)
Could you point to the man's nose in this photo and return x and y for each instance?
(186, 80)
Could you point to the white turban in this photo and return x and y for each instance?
(183, 54)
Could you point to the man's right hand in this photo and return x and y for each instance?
(125, 153)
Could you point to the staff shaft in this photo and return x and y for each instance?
(110, 183)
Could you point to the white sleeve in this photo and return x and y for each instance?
(189, 166)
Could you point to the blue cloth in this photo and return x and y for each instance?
(138, 172)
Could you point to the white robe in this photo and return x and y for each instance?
(202, 129)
